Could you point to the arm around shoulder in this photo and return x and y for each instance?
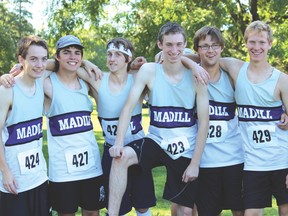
(142, 79)
(231, 66)
(6, 98)
(283, 88)
(8, 180)
(202, 103)
(145, 76)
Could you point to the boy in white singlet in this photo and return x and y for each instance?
(110, 93)
(261, 93)
(75, 172)
(173, 140)
(23, 176)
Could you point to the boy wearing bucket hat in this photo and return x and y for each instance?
(75, 172)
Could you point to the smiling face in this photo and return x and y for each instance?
(119, 55)
(69, 58)
(258, 45)
(35, 61)
(116, 61)
(209, 51)
(172, 47)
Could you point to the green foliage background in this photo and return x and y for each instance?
(97, 21)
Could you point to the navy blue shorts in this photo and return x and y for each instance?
(89, 194)
(259, 186)
(33, 202)
(140, 186)
(219, 188)
(151, 155)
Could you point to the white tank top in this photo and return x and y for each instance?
(224, 142)
(73, 150)
(22, 137)
(109, 107)
(171, 109)
(265, 145)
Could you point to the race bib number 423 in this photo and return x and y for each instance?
(176, 147)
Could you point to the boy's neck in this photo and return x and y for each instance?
(259, 67)
(27, 84)
(69, 79)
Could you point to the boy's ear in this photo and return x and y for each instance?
(159, 44)
(129, 59)
(20, 59)
(56, 57)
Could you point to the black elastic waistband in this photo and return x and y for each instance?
(107, 145)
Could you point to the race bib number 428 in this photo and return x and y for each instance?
(217, 132)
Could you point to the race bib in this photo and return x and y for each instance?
(217, 131)
(30, 161)
(176, 147)
(80, 159)
(262, 136)
(110, 128)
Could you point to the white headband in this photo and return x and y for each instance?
(120, 49)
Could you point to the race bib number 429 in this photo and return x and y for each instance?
(262, 136)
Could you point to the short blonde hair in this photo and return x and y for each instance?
(259, 26)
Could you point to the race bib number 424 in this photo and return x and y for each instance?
(30, 161)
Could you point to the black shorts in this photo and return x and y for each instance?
(219, 188)
(89, 194)
(259, 186)
(33, 202)
(140, 186)
(151, 155)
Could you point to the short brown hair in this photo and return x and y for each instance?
(127, 45)
(202, 33)
(24, 44)
(170, 28)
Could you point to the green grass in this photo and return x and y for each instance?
(159, 174)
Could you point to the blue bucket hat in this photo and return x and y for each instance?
(68, 40)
